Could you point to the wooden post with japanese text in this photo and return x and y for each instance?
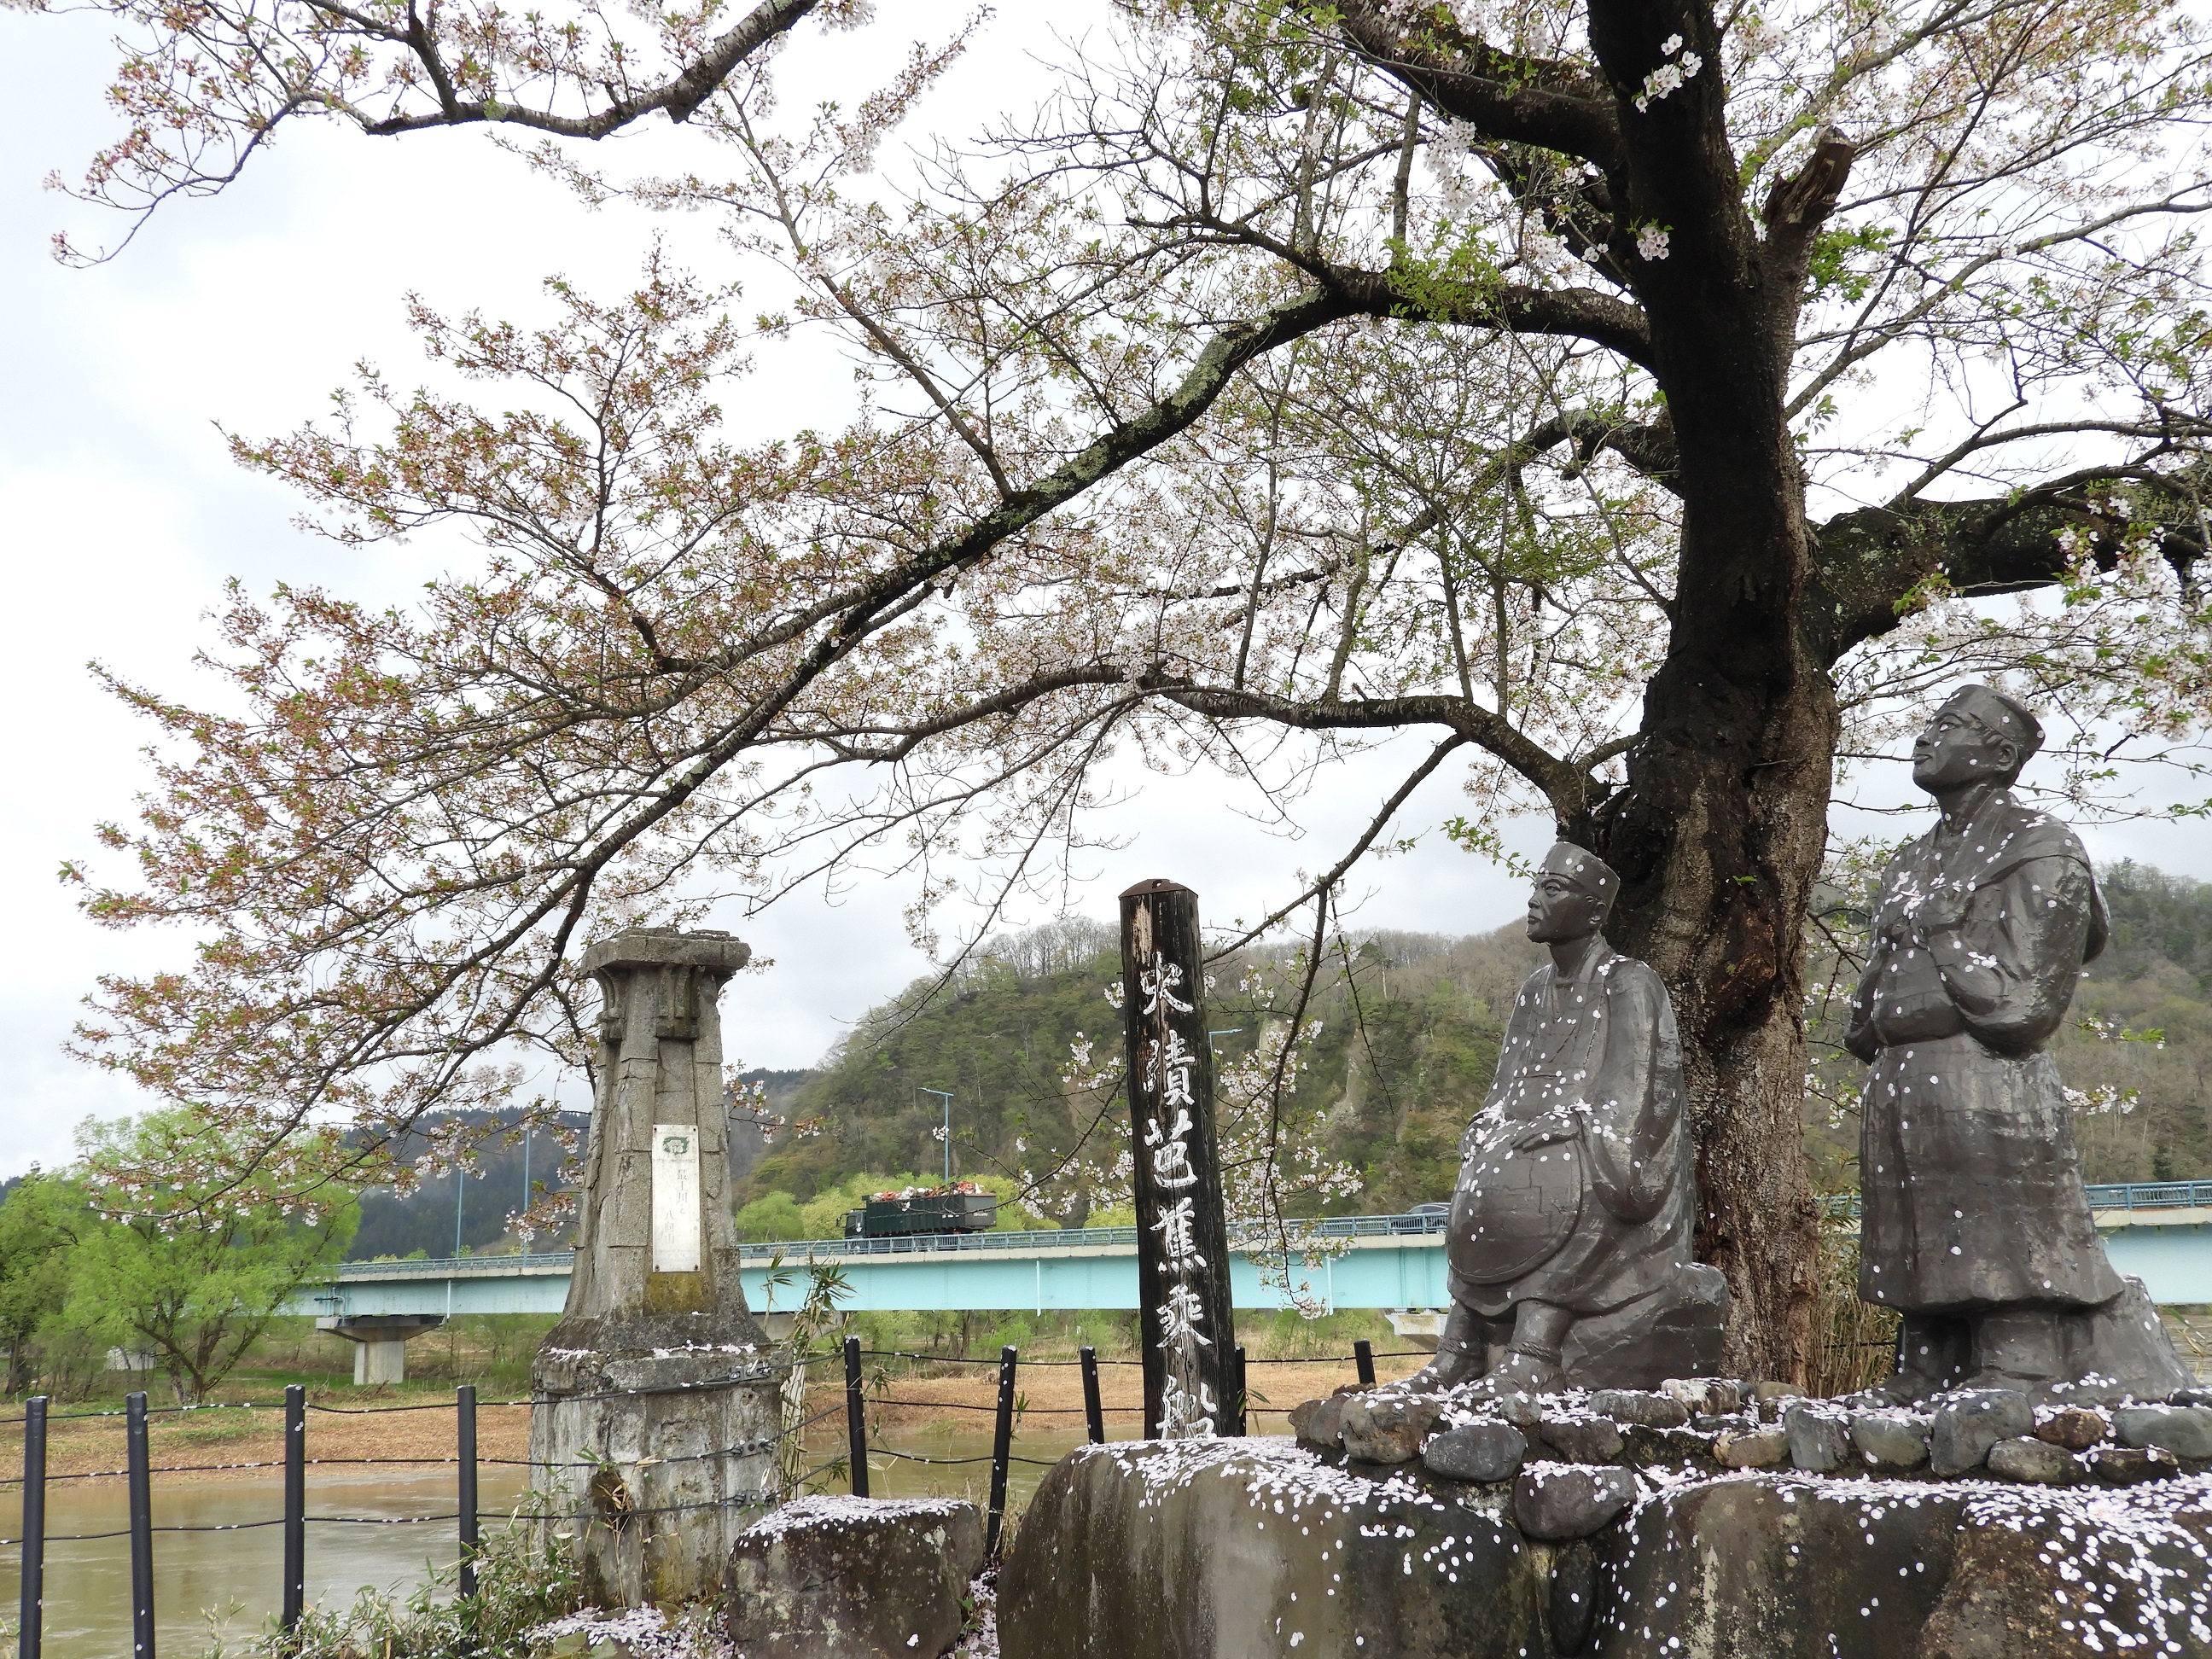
(1182, 1233)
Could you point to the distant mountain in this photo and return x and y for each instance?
(1411, 1026)
(1410, 1029)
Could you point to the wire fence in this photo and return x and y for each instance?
(788, 1443)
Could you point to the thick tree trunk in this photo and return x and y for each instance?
(1720, 836)
(1719, 843)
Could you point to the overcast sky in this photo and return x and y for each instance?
(122, 517)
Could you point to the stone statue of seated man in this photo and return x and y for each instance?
(1570, 1239)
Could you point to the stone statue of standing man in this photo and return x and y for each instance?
(1570, 1238)
(1977, 1228)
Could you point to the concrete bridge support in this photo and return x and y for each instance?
(380, 1354)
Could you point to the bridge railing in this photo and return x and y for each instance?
(1025, 1241)
(449, 1266)
(1064, 1239)
(2103, 1195)
(2117, 1195)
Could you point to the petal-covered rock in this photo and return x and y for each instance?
(853, 1577)
(1388, 1428)
(1485, 1452)
(1554, 1501)
(1970, 1423)
(2034, 1461)
(1197, 1549)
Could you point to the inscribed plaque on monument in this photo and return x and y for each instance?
(674, 1197)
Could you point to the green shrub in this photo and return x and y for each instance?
(521, 1582)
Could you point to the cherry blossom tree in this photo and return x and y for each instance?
(1649, 400)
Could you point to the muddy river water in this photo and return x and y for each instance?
(225, 1583)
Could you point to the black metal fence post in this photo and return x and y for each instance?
(466, 1395)
(142, 1527)
(1362, 1355)
(1094, 1412)
(295, 1505)
(30, 1625)
(1001, 1445)
(856, 1421)
(1243, 1404)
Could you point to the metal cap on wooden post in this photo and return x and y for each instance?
(1182, 1233)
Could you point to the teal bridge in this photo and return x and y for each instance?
(2159, 1232)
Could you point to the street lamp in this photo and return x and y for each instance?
(945, 1133)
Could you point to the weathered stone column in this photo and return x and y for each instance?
(654, 1401)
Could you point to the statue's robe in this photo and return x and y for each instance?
(1595, 1220)
(1971, 1179)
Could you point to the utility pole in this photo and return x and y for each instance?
(946, 1134)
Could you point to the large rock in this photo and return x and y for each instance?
(2185, 1431)
(1890, 1440)
(2035, 1462)
(1388, 1428)
(1818, 1436)
(1559, 1501)
(1778, 1567)
(1255, 1550)
(853, 1578)
(1972, 1422)
(1583, 1439)
(1204, 1549)
(1487, 1451)
(2045, 1572)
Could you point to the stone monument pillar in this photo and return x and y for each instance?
(1191, 1385)
(654, 1410)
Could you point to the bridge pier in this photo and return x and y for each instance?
(380, 1354)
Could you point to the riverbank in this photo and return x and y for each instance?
(1050, 1393)
(242, 1442)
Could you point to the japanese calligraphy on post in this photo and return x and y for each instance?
(1182, 1250)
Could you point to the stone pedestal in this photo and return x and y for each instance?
(654, 1414)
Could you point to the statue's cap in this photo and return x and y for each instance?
(1583, 867)
(1998, 714)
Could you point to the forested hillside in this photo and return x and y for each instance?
(1410, 1026)
(1409, 1032)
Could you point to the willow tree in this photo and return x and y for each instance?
(1642, 399)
